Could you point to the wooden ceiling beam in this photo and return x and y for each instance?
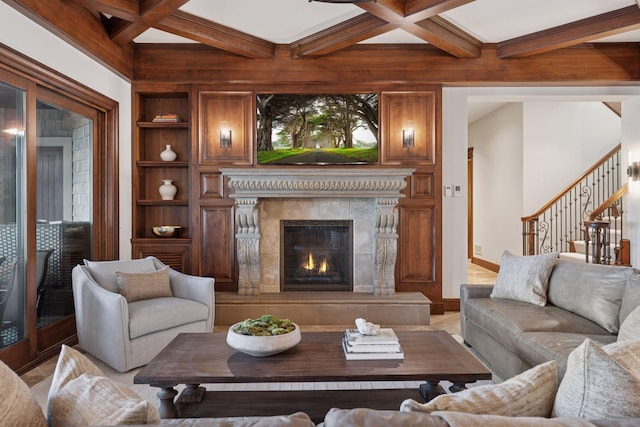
(219, 36)
(123, 9)
(419, 10)
(80, 28)
(447, 37)
(339, 36)
(584, 30)
(151, 12)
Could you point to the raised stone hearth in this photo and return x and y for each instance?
(325, 308)
(367, 196)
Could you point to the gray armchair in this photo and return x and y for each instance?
(126, 335)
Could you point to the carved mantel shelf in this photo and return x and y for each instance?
(249, 185)
(317, 182)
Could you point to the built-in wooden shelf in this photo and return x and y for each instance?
(161, 164)
(163, 124)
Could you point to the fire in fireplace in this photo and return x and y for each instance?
(316, 255)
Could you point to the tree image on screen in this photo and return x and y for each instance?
(300, 129)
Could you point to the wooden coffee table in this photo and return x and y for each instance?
(204, 358)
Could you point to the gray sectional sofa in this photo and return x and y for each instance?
(583, 301)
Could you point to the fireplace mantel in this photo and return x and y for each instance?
(249, 185)
(316, 182)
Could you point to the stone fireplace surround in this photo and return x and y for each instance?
(368, 196)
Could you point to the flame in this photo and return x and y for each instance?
(310, 265)
(323, 267)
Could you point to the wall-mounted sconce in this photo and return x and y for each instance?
(633, 171)
(408, 136)
(225, 136)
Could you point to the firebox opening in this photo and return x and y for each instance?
(316, 255)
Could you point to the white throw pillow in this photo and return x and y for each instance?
(80, 395)
(601, 382)
(524, 278)
(630, 328)
(529, 394)
(18, 407)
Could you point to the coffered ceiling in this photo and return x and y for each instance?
(253, 28)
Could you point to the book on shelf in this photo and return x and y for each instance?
(350, 355)
(384, 336)
(166, 118)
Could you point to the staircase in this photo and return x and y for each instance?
(584, 222)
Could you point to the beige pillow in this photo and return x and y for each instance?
(103, 271)
(529, 394)
(18, 407)
(524, 278)
(138, 286)
(630, 328)
(601, 382)
(80, 395)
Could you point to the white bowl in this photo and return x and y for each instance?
(261, 346)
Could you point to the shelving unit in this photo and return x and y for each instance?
(149, 170)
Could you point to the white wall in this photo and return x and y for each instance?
(30, 39)
(561, 141)
(454, 160)
(524, 155)
(497, 175)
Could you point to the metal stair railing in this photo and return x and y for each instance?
(561, 221)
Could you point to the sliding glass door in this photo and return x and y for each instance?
(58, 174)
(64, 208)
(13, 189)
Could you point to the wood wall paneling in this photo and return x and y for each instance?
(233, 111)
(217, 257)
(176, 253)
(211, 185)
(408, 112)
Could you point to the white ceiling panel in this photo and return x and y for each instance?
(277, 21)
(493, 21)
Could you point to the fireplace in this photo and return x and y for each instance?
(316, 255)
(368, 198)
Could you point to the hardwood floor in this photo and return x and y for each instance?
(449, 321)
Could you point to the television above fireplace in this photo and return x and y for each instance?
(317, 129)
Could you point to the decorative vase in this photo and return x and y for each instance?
(168, 155)
(167, 189)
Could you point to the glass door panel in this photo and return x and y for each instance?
(12, 215)
(64, 206)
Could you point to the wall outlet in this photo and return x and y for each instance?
(477, 249)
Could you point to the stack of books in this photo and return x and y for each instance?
(166, 118)
(384, 345)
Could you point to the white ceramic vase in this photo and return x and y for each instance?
(167, 189)
(168, 155)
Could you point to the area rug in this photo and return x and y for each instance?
(41, 389)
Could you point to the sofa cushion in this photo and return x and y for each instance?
(539, 347)
(601, 382)
(630, 296)
(506, 320)
(524, 278)
(630, 328)
(18, 407)
(461, 419)
(103, 272)
(157, 314)
(297, 419)
(363, 417)
(80, 395)
(529, 394)
(138, 286)
(590, 290)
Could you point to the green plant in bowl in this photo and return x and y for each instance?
(264, 336)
